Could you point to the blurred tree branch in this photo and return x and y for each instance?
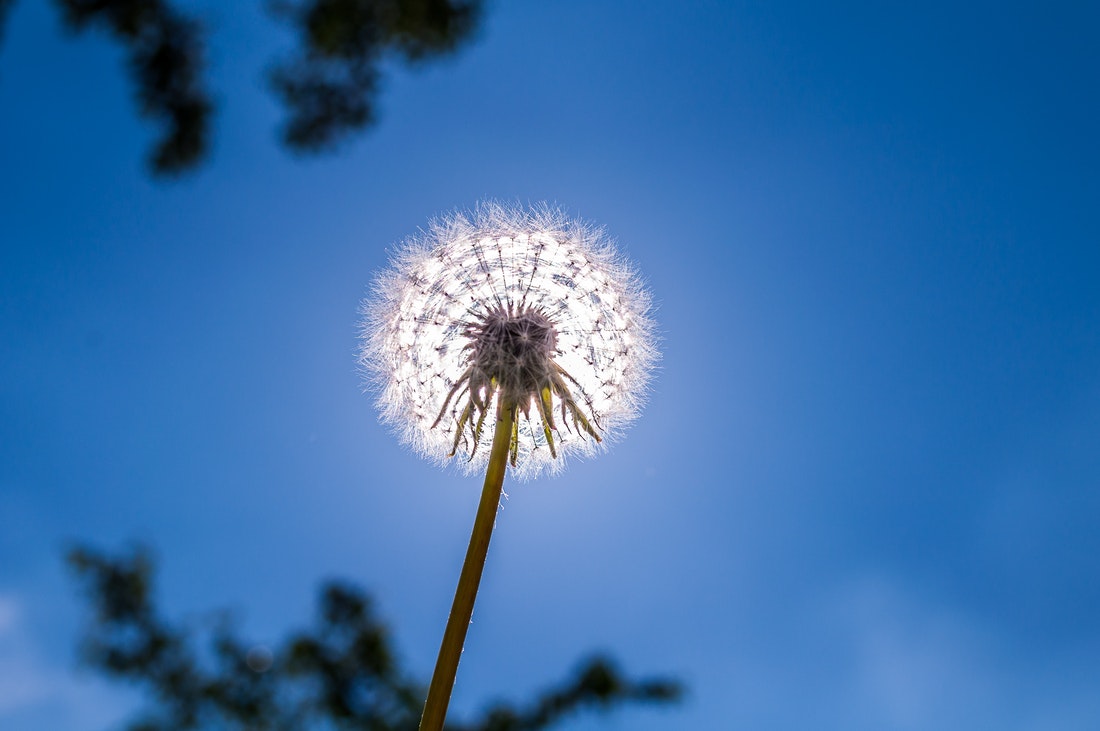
(328, 87)
(5, 6)
(341, 674)
(165, 61)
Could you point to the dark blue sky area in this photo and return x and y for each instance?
(865, 491)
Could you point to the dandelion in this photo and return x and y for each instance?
(527, 305)
(524, 315)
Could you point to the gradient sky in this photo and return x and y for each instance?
(865, 492)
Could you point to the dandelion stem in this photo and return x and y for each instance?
(443, 679)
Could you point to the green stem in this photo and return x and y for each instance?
(443, 679)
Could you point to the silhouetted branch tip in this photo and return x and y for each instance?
(5, 6)
(166, 63)
(342, 673)
(329, 86)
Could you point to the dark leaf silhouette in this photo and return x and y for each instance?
(330, 85)
(165, 58)
(340, 674)
(5, 6)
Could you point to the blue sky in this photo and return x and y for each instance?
(865, 492)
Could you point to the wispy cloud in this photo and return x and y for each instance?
(9, 614)
(21, 684)
(916, 664)
(35, 693)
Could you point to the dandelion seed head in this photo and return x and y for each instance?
(516, 303)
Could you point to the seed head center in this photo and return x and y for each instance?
(515, 348)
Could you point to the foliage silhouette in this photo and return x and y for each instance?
(328, 87)
(341, 674)
(5, 6)
(165, 60)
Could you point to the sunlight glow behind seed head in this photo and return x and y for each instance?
(447, 280)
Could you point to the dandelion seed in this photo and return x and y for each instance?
(522, 314)
(525, 305)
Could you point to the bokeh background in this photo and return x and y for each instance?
(865, 492)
